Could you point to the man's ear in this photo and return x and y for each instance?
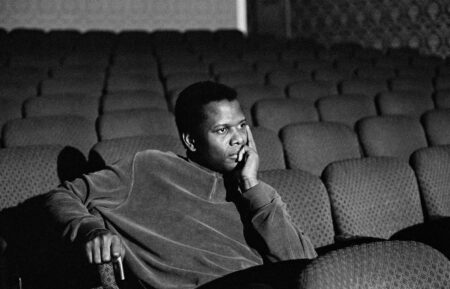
(189, 141)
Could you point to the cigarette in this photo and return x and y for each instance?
(120, 267)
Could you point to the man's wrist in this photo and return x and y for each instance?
(248, 183)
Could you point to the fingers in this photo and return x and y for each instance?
(104, 248)
(241, 153)
(250, 140)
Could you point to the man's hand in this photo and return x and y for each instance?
(104, 247)
(247, 169)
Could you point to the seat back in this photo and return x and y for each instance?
(83, 106)
(312, 146)
(135, 122)
(133, 99)
(274, 114)
(363, 86)
(403, 103)
(311, 90)
(373, 197)
(389, 264)
(432, 167)
(395, 136)
(111, 150)
(73, 131)
(307, 202)
(437, 126)
(270, 149)
(249, 94)
(346, 109)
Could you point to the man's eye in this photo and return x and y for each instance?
(221, 130)
(243, 125)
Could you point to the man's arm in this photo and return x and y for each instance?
(267, 212)
(73, 205)
(282, 240)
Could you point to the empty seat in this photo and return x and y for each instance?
(133, 99)
(392, 61)
(34, 170)
(136, 122)
(311, 90)
(388, 264)
(395, 136)
(9, 109)
(79, 72)
(227, 65)
(330, 74)
(373, 197)
(442, 82)
(259, 55)
(182, 80)
(432, 168)
(442, 99)
(236, 78)
(274, 114)
(415, 72)
(250, 94)
(363, 86)
(312, 146)
(113, 150)
(283, 78)
(265, 67)
(17, 91)
(176, 67)
(270, 149)
(375, 73)
(437, 126)
(312, 65)
(73, 131)
(134, 82)
(427, 62)
(412, 84)
(307, 202)
(84, 106)
(406, 103)
(346, 109)
(54, 86)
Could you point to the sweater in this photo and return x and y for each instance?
(182, 224)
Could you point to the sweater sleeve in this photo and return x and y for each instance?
(270, 220)
(73, 204)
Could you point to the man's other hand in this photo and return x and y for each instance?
(248, 158)
(104, 247)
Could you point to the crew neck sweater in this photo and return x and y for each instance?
(182, 225)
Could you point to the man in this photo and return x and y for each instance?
(183, 221)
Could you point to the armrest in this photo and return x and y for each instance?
(107, 276)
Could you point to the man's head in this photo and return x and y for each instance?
(211, 125)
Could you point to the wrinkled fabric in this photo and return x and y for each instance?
(182, 224)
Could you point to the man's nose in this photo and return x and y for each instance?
(238, 137)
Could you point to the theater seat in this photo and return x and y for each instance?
(73, 131)
(346, 109)
(437, 126)
(249, 94)
(307, 202)
(370, 87)
(311, 90)
(133, 99)
(312, 146)
(388, 264)
(395, 136)
(112, 150)
(136, 122)
(270, 149)
(432, 168)
(373, 196)
(274, 114)
(411, 103)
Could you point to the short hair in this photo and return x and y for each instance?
(189, 113)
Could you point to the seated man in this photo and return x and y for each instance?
(183, 221)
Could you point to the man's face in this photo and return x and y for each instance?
(220, 136)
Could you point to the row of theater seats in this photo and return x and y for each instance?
(373, 197)
(300, 143)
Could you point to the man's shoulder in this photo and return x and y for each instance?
(157, 156)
